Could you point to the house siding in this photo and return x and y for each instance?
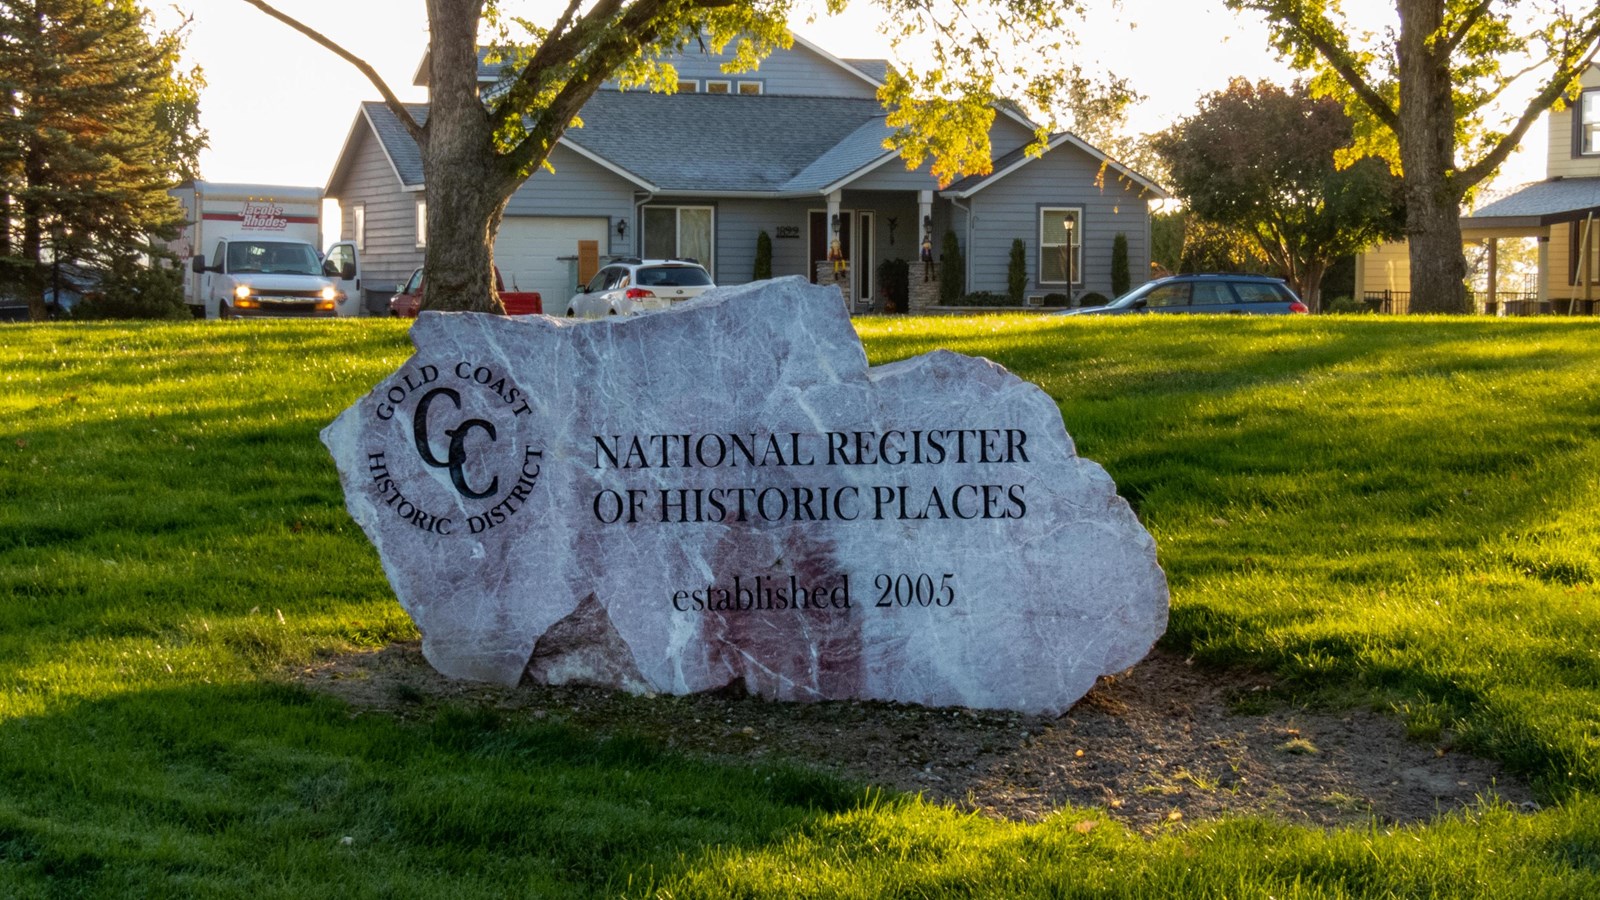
(1386, 267)
(1009, 209)
(1564, 161)
(579, 187)
(389, 252)
(1007, 135)
(797, 70)
(893, 176)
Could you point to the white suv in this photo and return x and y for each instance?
(624, 287)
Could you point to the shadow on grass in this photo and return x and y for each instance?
(270, 790)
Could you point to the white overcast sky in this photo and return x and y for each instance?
(278, 107)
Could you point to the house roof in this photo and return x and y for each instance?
(1020, 157)
(1539, 204)
(856, 152)
(708, 143)
(691, 143)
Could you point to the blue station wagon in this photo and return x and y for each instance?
(1227, 294)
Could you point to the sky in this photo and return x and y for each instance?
(279, 108)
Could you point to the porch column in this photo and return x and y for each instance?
(1544, 268)
(1586, 260)
(1491, 304)
(924, 293)
(826, 271)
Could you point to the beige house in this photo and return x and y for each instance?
(1562, 213)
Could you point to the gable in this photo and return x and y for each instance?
(1062, 143)
(803, 69)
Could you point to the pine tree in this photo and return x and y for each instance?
(97, 121)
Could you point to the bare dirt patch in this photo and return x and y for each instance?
(1160, 743)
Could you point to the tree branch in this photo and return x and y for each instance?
(626, 36)
(1344, 63)
(389, 99)
(1481, 170)
(1467, 22)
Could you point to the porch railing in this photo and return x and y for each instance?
(1498, 303)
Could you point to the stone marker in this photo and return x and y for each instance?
(725, 492)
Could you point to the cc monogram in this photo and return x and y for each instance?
(458, 444)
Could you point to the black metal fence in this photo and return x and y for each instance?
(1498, 303)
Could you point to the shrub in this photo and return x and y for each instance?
(1094, 298)
(983, 298)
(132, 290)
(763, 268)
(894, 282)
(1346, 306)
(1017, 272)
(952, 271)
(1121, 280)
(1055, 298)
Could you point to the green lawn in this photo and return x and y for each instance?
(1401, 514)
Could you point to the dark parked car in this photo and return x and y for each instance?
(1234, 294)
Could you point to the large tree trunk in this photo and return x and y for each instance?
(467, 188)
(1427, 155)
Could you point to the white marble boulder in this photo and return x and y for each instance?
(725, 492)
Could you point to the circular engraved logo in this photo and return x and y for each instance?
(463, 421)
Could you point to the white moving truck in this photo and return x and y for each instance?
(254, 250)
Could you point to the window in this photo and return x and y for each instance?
(1588, 115)
(683, 232)
(358, 225)
(719, 87)
(750, 87)
(688, 86)
(1168, 295)
(1211, 294)
(422, 222)
(1060, 245)
(1256, 292)
(338, 257)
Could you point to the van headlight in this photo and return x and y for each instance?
(242, 292)
(332, 293)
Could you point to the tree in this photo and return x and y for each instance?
(1422, 97)
(1260, 159)
(952, 271)
(476, 151)
(1121, 278)
(1017, 272)
(97, 121)
(763, 267)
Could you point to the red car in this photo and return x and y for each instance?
(518, 303)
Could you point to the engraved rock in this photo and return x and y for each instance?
(725, 492)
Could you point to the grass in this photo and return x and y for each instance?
(1398, 514)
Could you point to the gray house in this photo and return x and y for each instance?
(789, 149)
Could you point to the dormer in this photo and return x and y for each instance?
(1575, 133)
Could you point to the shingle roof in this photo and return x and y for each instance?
(876, 69)
(397, 142)
(701, 142)
(857, 149)
(718, 142)
(1542, 203)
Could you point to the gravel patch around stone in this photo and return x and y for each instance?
(1162, 743)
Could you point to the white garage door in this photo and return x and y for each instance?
(530, 251)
